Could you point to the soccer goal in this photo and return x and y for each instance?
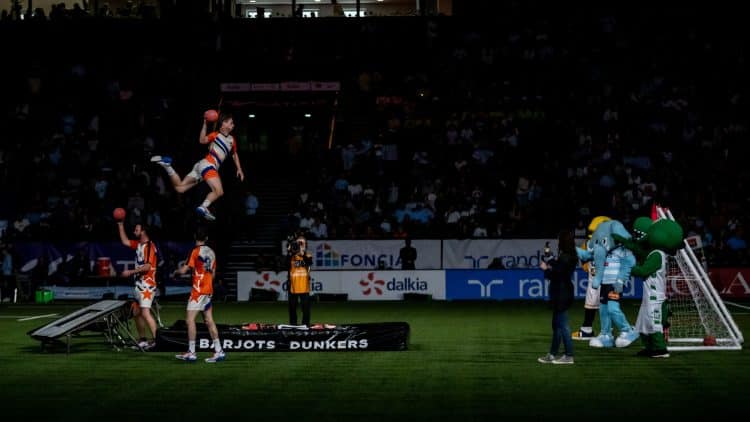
(697, 318)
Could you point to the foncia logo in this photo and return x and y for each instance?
(265, 282)
(370, 285)
(325, 256)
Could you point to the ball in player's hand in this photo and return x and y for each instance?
(211, 115)
(118, 214)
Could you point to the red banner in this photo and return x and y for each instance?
(731, 282)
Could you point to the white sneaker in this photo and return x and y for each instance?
(162, 161)
(548, 358)
(564, 360)
(626, 338)
(602, 340)
(187, 357)
(146, 345)
(205, 213)
(217, 357)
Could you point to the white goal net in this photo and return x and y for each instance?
(696, 318)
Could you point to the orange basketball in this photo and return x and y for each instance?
(118, 214)
(211, 115)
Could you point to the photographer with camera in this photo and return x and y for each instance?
(298, 280)
(559, 272)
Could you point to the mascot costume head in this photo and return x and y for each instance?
(660, 239)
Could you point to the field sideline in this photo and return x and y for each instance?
(466, 361)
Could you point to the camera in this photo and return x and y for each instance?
(547, 255)
(293, 244)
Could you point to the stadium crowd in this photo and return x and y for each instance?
(449, 127)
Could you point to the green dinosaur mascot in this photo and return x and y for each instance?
(652, 243)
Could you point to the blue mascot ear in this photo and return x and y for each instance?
(618, 229)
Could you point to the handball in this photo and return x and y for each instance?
(118, 214)
(709, 341)
(211, 116)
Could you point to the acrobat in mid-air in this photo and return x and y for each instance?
(221, 144)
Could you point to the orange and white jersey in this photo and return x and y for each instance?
(145, 253)
(220, 148)
(203, 262)
(299, 274)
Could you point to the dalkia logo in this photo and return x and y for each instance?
(377, 285)
(265, 282)
(372, 285)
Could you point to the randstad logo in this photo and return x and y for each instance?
(509, 261)
(265, 282)
(407, 284)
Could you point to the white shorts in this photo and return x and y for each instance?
(201, 169)
(144, 294)
(650, 319)
(592, 297)
(203, 303)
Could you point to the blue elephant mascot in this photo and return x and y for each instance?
(613, 263)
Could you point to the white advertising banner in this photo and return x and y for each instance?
(358, 285)
(479, 253)
(366, 254)
(391, 285)
(320, 282)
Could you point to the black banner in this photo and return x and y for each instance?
(256, 337)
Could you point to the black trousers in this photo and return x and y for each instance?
(304, 298)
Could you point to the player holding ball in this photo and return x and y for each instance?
(221, 144)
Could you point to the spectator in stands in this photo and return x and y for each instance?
(251, 213)
(80, 266)
(337, 9)
(662, 108)
(319, 229)
(8, 280)
(407, 255)
(39, 274)
(737, 245)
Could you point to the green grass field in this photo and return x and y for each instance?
(466, 361)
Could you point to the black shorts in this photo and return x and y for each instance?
(604, 292)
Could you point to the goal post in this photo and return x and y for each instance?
(697, 318)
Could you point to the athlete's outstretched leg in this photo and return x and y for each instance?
(180, 185)
(217, 190)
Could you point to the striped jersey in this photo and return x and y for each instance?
(220, 148)
(612, 264)
(145, 253)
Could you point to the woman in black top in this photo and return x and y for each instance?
(559, 272)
